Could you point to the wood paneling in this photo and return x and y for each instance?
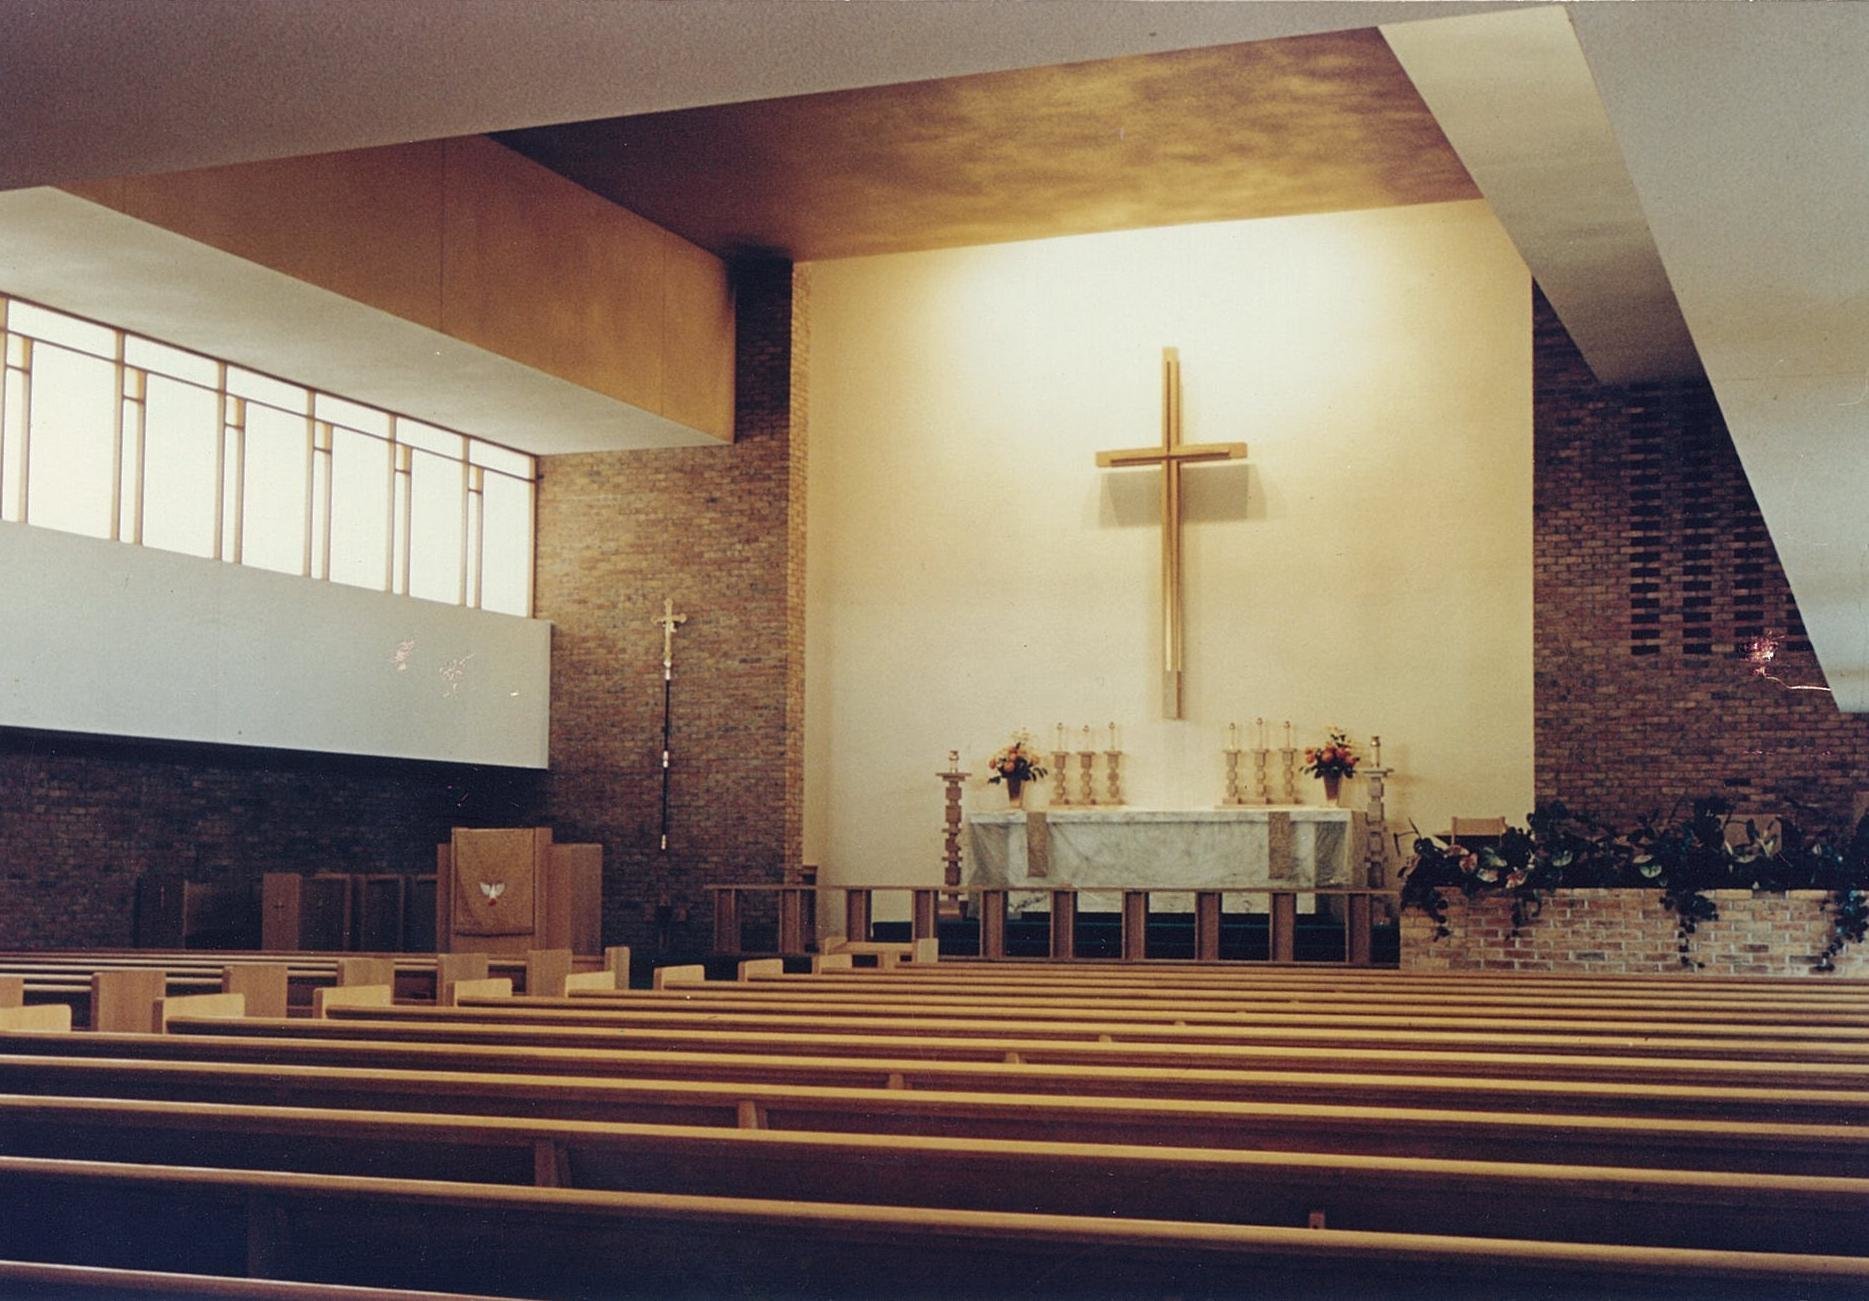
(365, 223)
(1321, 123)
(697, 339)
(469, 238)
(543, 271)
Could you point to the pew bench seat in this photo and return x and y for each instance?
(556, 1241)
(1364, 1125)
(1487, 1198)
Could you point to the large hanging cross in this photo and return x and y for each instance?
(1171, 456)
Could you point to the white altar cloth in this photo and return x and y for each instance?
(1167, 849)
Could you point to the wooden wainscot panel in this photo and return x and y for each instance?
(574, 903)
(697, 339)
(539, 269)
(364, 223)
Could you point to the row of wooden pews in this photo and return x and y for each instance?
(966, 1128)
(112, 989)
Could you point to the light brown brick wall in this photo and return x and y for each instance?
(721, 531)
(1629, 932)
(1651, 571)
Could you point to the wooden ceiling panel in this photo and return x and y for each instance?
(1271, 128)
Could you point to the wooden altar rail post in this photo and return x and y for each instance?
(792, 919)
(796, 904)
(1207, 925)
(1282, 925)
(993, 923)
(857, 915)
(923, 914)
(1063, 924)
(1356, 930)
(1135, 925)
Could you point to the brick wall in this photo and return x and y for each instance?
(81, 818)
(720, 530)
(1653, 572)
(1629, 931)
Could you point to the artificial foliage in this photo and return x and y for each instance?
(1337, 757)
(1017, 761)
(1682, 857)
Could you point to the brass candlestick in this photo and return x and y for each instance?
(1114, 758)
(1233, 777)
(1087, 783)
(953, 778)
(1061, 778)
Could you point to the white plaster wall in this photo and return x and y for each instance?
(104, 637)
(970, 570)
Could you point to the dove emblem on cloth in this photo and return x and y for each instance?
(493, 890)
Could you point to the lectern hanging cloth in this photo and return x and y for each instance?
(496, 871)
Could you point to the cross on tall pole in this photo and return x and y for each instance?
(1171, 456)
(669, 621)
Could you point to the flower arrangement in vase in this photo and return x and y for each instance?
(1331, 762)
(1016, 763)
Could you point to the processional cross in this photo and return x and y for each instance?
(669, 621)
(1171, 456)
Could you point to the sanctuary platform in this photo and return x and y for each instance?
(1182, 849)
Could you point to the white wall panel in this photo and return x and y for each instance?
(106, 638)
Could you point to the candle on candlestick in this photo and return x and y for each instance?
(1261, 723)
(1061, 736)
(1113, 745)
(953, 759)
(1233, 739)
(1288, 734)
(1377, 742)
(1086, 736)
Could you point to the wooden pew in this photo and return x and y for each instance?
(1614, 1086)
(985, 1039)
(60, 973)
(25, 1278)
(1083, 1025)
(1381, 1194)
(1363, 1126)
(357, 1230)
(1336, 976)
(947, 978)
(834, 988)
(753, 1078)
(734, 996)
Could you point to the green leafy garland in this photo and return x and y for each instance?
(1683, 858)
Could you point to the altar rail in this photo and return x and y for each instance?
(798, 912)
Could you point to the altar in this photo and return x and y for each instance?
(1235, 848)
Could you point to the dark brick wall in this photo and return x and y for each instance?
(82, 817)
(1653, 576)
(721, 531)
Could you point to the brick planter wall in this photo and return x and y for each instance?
(1630, 932)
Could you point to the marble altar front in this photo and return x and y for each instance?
(1167, 850)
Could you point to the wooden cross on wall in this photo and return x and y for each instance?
(1171, 456)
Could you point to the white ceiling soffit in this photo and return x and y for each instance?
(90, 260)
(1515, 98)
(94, 88)
(1743, 129)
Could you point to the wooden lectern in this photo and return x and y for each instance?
(510, 889)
